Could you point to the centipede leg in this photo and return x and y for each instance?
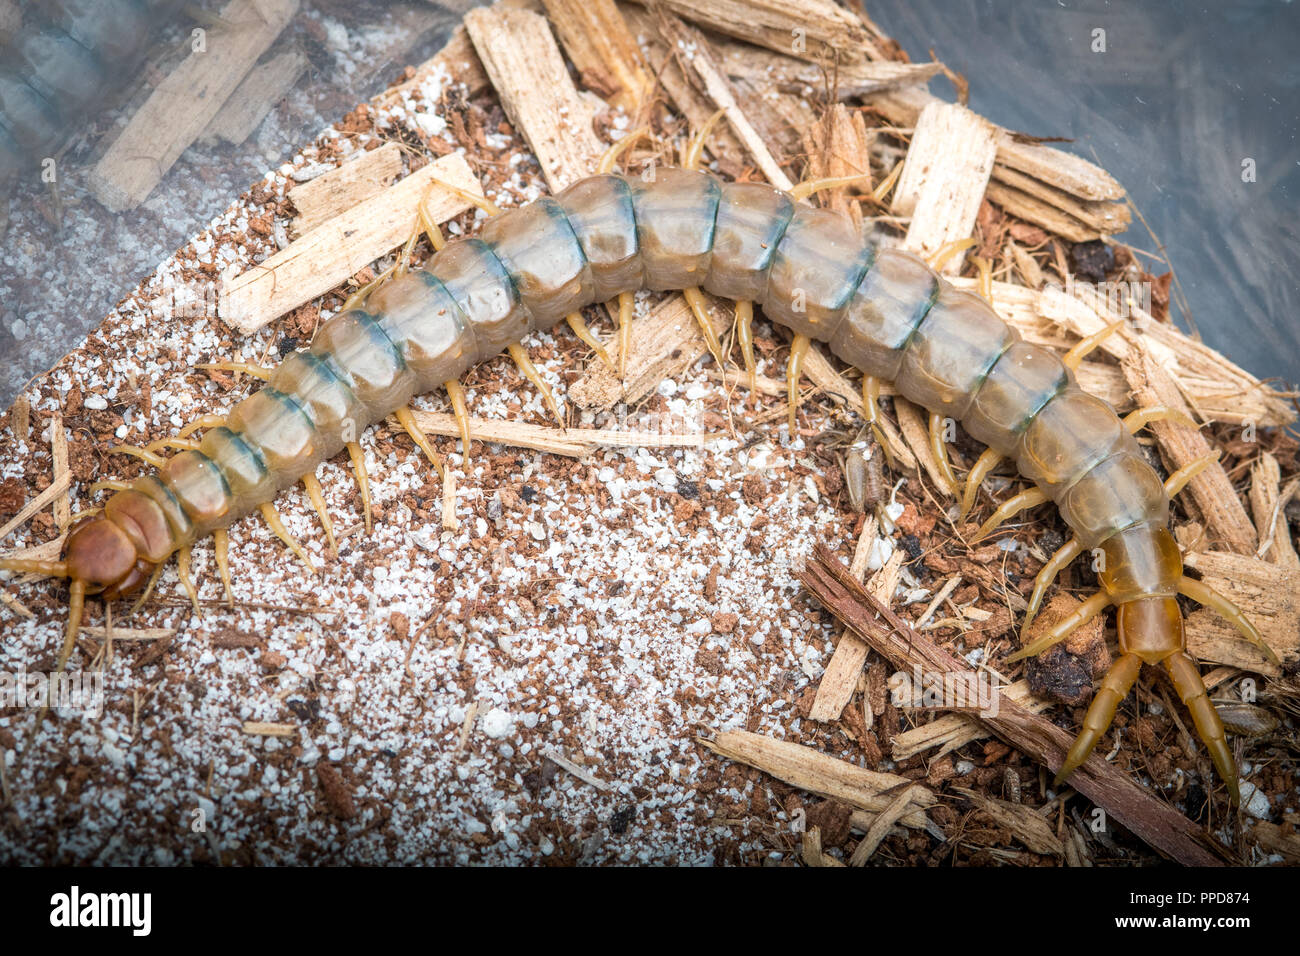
(626, 303)
(1114, 688)
(1063, 556)
(316, 495)
(1063, 628)
(806, 188)
(698, 306)
(986, 463)
(221, 547)
(871, 405)
(76, 607)
(610, 157)
(457, 396)
(148, 590)
(272, 519)
(108, 484)
(256, 371)
(695, 149)
(358, 456)
(1179, 479)
(1136, 421)
(939, 448)
(745, 336)
(135, 451)
(798, 349)
(1029, 498)
(1084, 347)
(1206, 596)
(583, 331)
(184, 560)
(947, 251)
(530, 372)
(205, 421)
(1187, 681)
(406, 418)
(180, 444)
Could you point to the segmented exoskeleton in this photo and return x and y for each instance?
(881, 310)
(63, 61)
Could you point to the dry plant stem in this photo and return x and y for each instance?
(1152, 820)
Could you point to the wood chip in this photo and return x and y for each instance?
(1269, 595)
(944, 176)
(341, 247)
(881, 826)
(572, 442)
(186, 101)
(603, 50)
(952, 731)
(258, 728)
(1267, 506)
(576, 769)
(1025, 823)
(335, 192)
(255, 96)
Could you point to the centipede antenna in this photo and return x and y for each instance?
(745, 335)
(1136, 421)
(272, 519)
(626, 303)
(316, 495)
(610, 157)
(939, 448)
(806, 188)
(701, 310)
(406, 418)
(695, 148)
(530, 372)
(1084, 347)
(1063, 628)
(221, 547)
(986, 463)
(798, 349)
(257, 371)
(358, 456)
(136, 451)
(1063, 556)
(1206, 596)
(1179, 479)
(457, 396)
(947, 251)
(184, 558)
(1029, 498)
(51, 569)
(583, 331)
(1114, 688)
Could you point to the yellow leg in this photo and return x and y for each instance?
(248, 369)
(940, 450)
(137, 452)
(698, 305)
(805, 189)
(406, 419)
(798, 349)
(871, 404)
(109, 485)
(947, 251)
(987, 462)
(51, 569)
(880, 192)
(457, 396)
(626, 304)
(183, 562)
(482, 202)
(182, 444)
(1206, 596)
(1064, 555)
(696, 146)
(317, 497)
(530, 372)
(582, 331)
(1179, 479)
(148, 590)
(358, 457)
(76, 607)
(272, 518)
(745, 335)
(1083, 347)
(1190, 687)
(1136, 421)
(221, 545)
(1114, 688)
(1063, 628)
(610, 157)
(1029, 498)
(205, 421)
(985, 270)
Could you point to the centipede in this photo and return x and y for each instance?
(64, 61)
(881, 310)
